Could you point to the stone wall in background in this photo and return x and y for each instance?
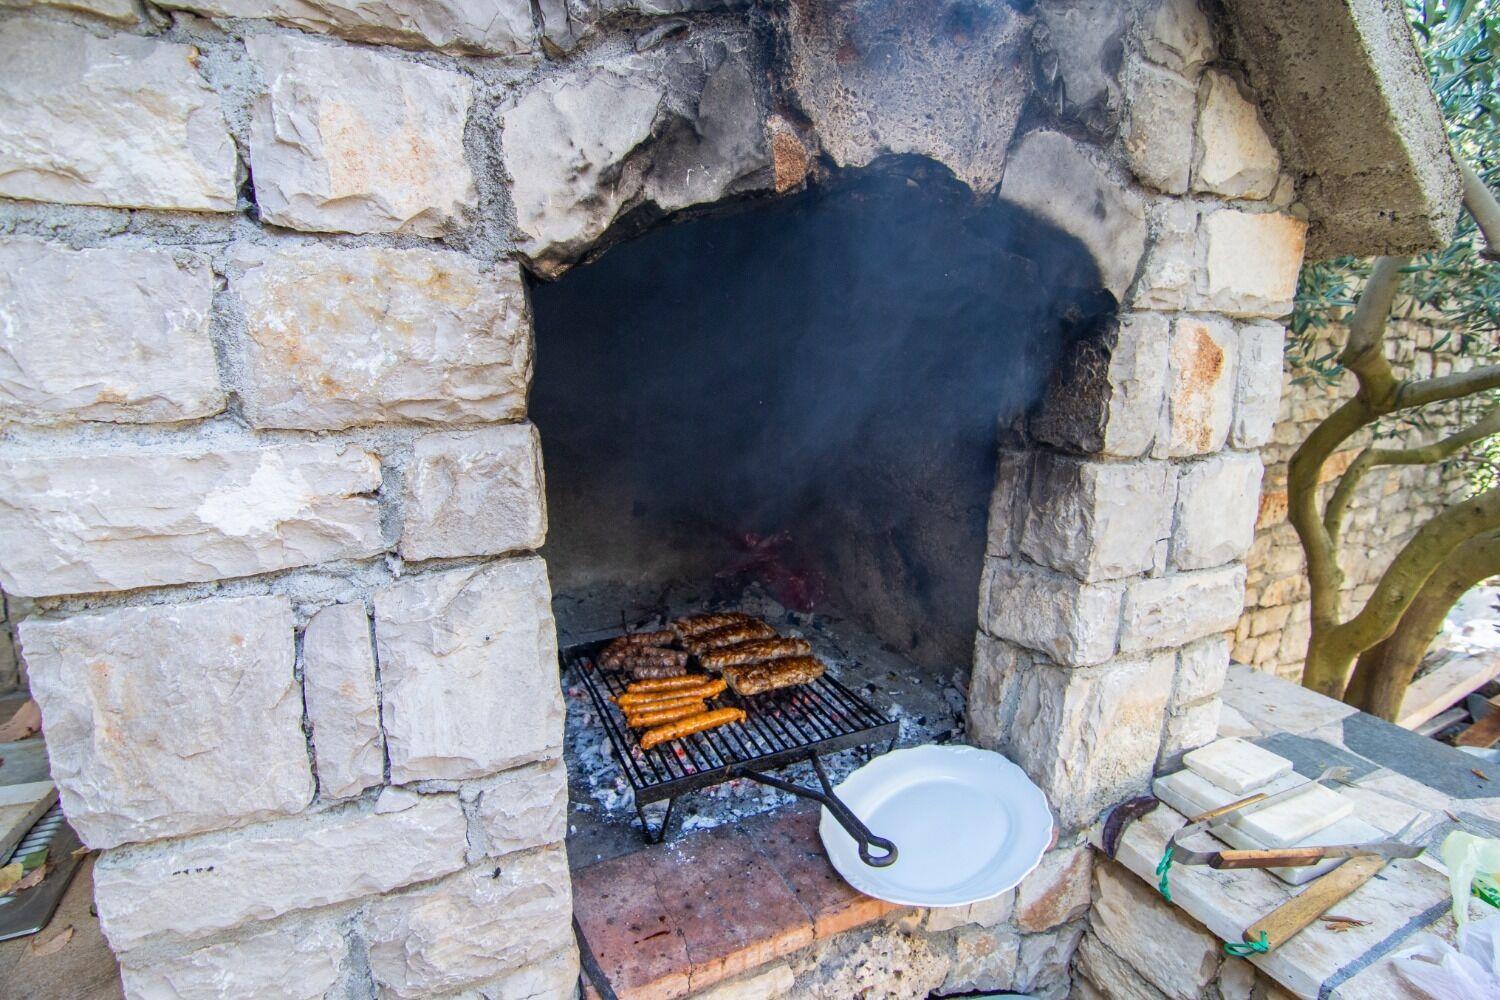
(1389, 505)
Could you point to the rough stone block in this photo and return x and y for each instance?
(1187, 729)
(474, 493)
(1158, 128)
(1235, 156)
(343, 706)
(1110, 976)
(368, 335)
(1167, 275)
(502, 28)
(1217, 503)
(171, 718)
(1173, 610)
(1107, 397)
(1200, 397)
(1201, 668)
(1056, 891)
(1098, 520)
(122, 11)
(1089, 737)
(1007, 511)
(143, 517)
(1058, 179)
(1043, 967)
(1165, 946)
(468, 667)
(348, 140)
(553, 976)
(1073, 623)
(517, 809)
(1257, 393)
(684, 130)
(471, 926)
(765, 984)
(983, 959)
(294, 960)
(1176, 34)
(985, 913)
(1252, 264)
(993, 690)
(113, 334)
(123, 121)
(187, 889)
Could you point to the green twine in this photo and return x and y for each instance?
(1244, 949)
(1163, 867)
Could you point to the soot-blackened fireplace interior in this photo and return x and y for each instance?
(793, 407)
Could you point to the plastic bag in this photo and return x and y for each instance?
(1435, 969)
(1467, 856)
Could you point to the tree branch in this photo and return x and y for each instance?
(1438, 451)
(1455, 386)
(1364, 351)
(1480, 202)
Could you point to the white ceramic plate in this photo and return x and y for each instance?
(967, 824)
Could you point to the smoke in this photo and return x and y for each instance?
(832, 366)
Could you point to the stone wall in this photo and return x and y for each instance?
(1389, 505)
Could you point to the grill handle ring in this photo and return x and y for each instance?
(851, 823)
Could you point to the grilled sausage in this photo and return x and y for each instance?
(693, 625)
(659, 637)
(707, 689)
(658, 671)
(753, 652)
(730, 635)
(666, 684)
(758, 678)
(659, 716)
(692, 724)
(629, 656)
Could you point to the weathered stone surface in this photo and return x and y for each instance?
(474, 493)
(1217, 501)
(1157, 131)
(1098, 520)
(1056, 891)
(1356, 118)
(1059, 180)
(1107, 397)
(347, 140)
(1012, 477)
(1166, 947)
(867, 965)
(471, 926)
(1201, 668)
(112, 334)
(74, 524)
(517, 809)
(1172, 610)
(1079, 48)
(1253, 260)
(878, 78)
(983, 959)
(553, 976)
(1235, 156)
(1111, 976)
(468, 670)
(295, 960)
(1257, 393)
(1167, 276)
(1089, 737)
(113, 10)
(585, 149)
(190, 888)
(993, 690)
(124, 121)
(1176, 34)
(1042, 968)
(985, 913)
(338, 679)
(469, 26)
(767, 984)
(1188, 729)
(367, 335)
(172, 718)
(1200, 395)
(1074, 623)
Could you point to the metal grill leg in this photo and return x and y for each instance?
(661, 831)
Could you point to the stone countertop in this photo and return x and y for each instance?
(1396, 774)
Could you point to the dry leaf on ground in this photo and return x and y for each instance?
(26, 722)
(30, 879)
(10, 875)
(53, 944)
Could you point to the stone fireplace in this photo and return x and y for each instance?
(956, 322)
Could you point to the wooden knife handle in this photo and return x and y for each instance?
(1231, 807)
(1320, 896)
(1283, 857)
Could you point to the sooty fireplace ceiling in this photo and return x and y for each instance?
(806, 397)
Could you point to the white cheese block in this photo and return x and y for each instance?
(1288, 823)
(1237, 765)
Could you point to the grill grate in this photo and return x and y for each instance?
(781, 727)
